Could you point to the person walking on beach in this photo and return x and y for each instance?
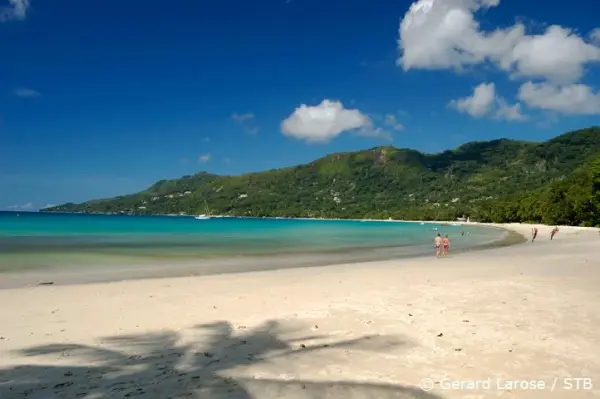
(446, 244)
(553, 233)
(534, 233)
(438, 245)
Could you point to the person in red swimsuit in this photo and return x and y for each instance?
(446, 244)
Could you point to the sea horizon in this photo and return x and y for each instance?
(185, 215)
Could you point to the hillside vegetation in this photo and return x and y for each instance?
(501, 180)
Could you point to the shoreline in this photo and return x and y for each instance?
(169, 268)
(516, 234)
(376, 329)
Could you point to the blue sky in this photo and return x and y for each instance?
(100, 98)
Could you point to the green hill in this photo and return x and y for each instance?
(571, 201)
(377, 183)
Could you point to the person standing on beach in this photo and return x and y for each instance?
(534, 233)
(553, 233)
(438, 245)
(446, 244)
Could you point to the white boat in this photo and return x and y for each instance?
(206, 215)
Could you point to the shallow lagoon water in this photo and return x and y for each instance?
(34, 241)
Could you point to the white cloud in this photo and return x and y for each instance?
(204, 158)
(574, 99)
(48, 206)
(391, 121)
(509, 112)
(441, 34)
(23, 92)
(23, 207)
(558, 55)
(322, 123)
(247, 121)
(485, 102)
(17, 9)
(478, 104)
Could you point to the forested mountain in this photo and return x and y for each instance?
(476, 179)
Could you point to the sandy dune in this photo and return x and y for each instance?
(372, 330)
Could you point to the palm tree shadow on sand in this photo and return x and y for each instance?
(169, 365)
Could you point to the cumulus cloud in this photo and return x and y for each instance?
(321, 123)
(441, 34)
(23, 207)
(445, 34)
(485, 102)
(574, 99)
(247, 121)
(558, 55)
(23, 92)
(204, 158)
(509, 112)
(437, 34)
(479, 103)
(16, 9)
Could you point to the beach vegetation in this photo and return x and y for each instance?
(553, 182)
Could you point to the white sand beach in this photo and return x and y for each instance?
(371, 330)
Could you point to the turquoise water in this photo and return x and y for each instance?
(43, 240)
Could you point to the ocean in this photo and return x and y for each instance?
(50, 241)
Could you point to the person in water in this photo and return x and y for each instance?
(446, 244)
(438, 245)
(534, 233)
(553, 233)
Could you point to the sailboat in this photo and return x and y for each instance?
(205, 215)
